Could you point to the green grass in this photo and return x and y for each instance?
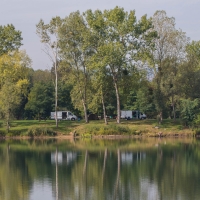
(21, 127)
(135, 127)
(95, 128)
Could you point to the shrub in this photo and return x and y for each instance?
(197, 132)
(189, 111)
(40, 131)
(2, 133)
(108, 130)
(14, 132)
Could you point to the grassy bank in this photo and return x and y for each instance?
(37, 128)
(148, 128)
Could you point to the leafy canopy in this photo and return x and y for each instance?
(10, 39)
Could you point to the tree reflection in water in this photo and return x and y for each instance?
(115, 170)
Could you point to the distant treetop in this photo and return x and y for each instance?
(10, 39)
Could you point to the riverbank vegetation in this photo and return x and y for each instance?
(97, 128)
(102, 62)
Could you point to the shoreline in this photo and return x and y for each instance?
(102, 136)
(28, 129)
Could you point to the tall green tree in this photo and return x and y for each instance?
(10, 99)
(189, 72)
(102, 89)
(10, 39)
(48, 34)
(14, 82)
(75, 55)
(165, 58)
(117, 36)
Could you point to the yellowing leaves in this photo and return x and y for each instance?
(13, 67)
(22, 84)
(13, 81)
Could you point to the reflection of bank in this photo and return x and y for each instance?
(70, 156)
(83, 173)
(60, 158)
(63, 157)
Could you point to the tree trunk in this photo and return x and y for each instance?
(8, 121)
(56, 92)
(7, 125)
(104, 109)
(160, 117)
(85, 111)
(173, 107)
(83, 99)
(118, 102)
(85, 105)
(117, 94)
(83, 93)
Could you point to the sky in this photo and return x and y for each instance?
(25, 14)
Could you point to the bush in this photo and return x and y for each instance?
(189, 111)
(14, 132)
(197, 132)
(109, 130)
(2, 133)
(40, 131)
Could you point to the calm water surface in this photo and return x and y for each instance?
(126, 169)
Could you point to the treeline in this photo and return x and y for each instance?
(103, 62)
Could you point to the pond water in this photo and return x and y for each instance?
(125, 169)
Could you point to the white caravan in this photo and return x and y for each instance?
(126, 114)
(63, 115)
(132, 114)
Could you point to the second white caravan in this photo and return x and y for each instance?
(63, 115)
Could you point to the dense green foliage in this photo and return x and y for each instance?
(189, 109)
(40, 99)
(103, 62)
(10, 39)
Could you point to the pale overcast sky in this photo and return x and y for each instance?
(25, 14)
